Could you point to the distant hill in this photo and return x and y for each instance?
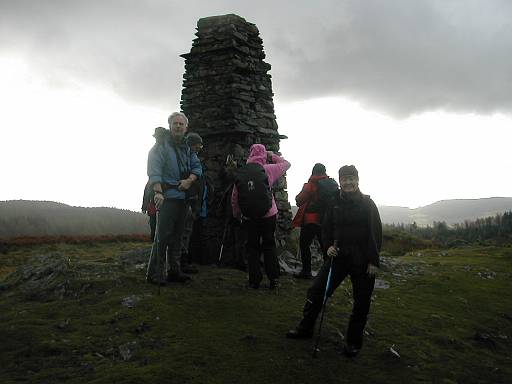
(449, 211)
(47, 218)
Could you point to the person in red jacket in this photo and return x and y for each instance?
(308, 219)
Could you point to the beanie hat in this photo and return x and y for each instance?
(159, 132)
(318, 169)
(347, 170)
(193, 138)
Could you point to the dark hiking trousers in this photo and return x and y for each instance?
(362, 289)
(307, 234)
(186, 235)
(260, 238)
(152, 226)
(198, 251)
(170, 229)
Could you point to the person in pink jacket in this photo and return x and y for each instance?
(260, 231)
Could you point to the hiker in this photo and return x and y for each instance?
(312, 201)
(172, 169)
(252, 200)
(197, 209)
(148, 203)
(352, 237)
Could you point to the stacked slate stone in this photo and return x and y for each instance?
(227, 96)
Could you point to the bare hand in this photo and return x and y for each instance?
(332, 251)
(159, 200)
(184, 184)
(372, 270)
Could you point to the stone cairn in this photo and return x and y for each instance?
(227, 96)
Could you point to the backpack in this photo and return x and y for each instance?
(326, 188)
(254, 194)
(149, 194)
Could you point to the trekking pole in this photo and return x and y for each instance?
(158, 258)
(222, 241)
(298, 257)
(327, 285)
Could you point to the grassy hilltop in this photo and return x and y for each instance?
(447, 313)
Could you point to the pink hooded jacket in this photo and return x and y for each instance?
(258, 154)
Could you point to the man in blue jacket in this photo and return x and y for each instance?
(172, 169)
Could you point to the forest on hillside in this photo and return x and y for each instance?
(495, 229)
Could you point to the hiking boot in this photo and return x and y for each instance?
(178, 278)
(154, 282)
(303, 275)
(241, 267)
(253, 286)
(351, 350)
(299, 333)
(274, 284)
(189, 268)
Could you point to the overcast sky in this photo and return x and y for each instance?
(417, 94)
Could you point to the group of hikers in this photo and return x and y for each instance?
(345, 222)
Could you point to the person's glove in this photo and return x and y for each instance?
(159, 199)
(332, 251)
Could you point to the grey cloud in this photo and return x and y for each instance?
(411, 57)
(402, 57)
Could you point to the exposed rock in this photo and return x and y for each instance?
(43, 277)
(130, 301)
(381, 284)
(53, 276)
(291, 263)
(487, 275)
(127, 350)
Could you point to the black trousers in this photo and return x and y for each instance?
(152, 226)
(172, 222)
(307, 234)
(362, 289)
(195, 251)
(168, 247)
(260, 238)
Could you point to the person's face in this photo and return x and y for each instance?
(178, 127)
(196, 147)
(349, 183)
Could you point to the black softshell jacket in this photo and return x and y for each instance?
(354, 221)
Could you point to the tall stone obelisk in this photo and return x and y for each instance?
(227, 96)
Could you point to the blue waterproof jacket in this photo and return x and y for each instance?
(168, 163)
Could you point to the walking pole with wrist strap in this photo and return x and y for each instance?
(222, 241)
(158, 258)
(327, 285)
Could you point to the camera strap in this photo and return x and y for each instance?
(182, 165)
